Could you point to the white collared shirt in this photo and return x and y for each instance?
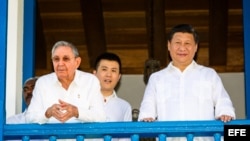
(117, 109)
(197, 93)
(17, 118)
(83, 92)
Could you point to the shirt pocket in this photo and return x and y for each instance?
(202, 90)
(165, 92)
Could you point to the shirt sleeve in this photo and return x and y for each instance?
(128, 113)
(223, 103)
(148, 104)
(36, 111)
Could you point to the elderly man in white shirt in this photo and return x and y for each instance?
(67, 94)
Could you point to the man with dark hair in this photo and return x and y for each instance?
(108, 71)
(185, 90)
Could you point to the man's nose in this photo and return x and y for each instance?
(29, 91)
(182, 46)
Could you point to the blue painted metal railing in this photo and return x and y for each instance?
(108, 130)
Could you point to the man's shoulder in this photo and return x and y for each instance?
(85, 75)
(123, 101)
(51, 75)
(206, 69)
(14, 119)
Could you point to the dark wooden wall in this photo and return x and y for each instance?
(136, 30)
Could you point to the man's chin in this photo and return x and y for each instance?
(61, 75)
(28, 101)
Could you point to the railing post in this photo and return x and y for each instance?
(246, 27)
(107, 138)
(135, 137)
(190, 137)
(162, 137)
(3, 49)
(52, 138)
(217, 137)
(25, 138)
(80, 138)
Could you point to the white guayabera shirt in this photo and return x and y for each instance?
(83, 92)
(197, 93)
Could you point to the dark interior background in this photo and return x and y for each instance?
(136, 30)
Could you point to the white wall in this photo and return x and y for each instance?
(14, 57)
(235, 85)
(132, 89)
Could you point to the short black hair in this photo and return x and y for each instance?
(108, 56)
(184, 28)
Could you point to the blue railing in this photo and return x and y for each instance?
(108, 130)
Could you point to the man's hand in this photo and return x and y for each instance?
(62, 111)
(148, 119)
(225, 118)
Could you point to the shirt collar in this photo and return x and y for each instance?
(113, 95)
(76, 79)
(192, 65)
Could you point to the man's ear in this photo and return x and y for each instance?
(120, 75)
(168, 46)
(94, 72)
(78, 61)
